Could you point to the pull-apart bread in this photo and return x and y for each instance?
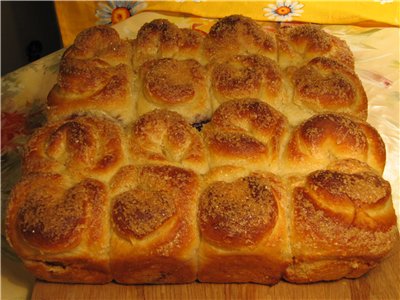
(241, 155)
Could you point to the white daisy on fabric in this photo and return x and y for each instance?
(113, 12)
(283, 11)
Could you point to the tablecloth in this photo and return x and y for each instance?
(74, 16)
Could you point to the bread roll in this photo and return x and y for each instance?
(95, 75)
(56, 224)
(247, 133)
(243, 225)
(162, 39)
(324, 138)
(297, 45)
(103, 43)
(176, 85)
(154, 236)
(324, 85)
(92, 85)
(164, 137)
(238, 34)
(82, 147)
(343, 223)
(248, 76)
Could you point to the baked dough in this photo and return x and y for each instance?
(241, 155)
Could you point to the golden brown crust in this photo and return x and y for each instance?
(320, 140)
(165, 137)
(101, 42)
(245, 132)
(95, 75)
(297, 45)
(238, 34)
(55, 225)
(238, 213)
(177, 85)
(92, 85)
(162, 250)
(324, 85)
(85, 146)
(242, 218)
(340, 217)
(247, 76)
(162, 39)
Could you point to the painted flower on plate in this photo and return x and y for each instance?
(112, 12)
(283, 11)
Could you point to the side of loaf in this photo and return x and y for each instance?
(241, 155)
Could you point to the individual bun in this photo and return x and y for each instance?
(154, 234)
(92, 85)
(324, 85)
(177, 85)
(165, 137)
(163, 39)
(236, 34)
(297, 45)
(242, 219)
(343, 223)
(322, 139)
(247, 76)
(55, 224)
(95, 75)
(85, 146)
(247, 133)
(100, 42)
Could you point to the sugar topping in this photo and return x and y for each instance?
(362, 188)
(240, 212)
(139, 212)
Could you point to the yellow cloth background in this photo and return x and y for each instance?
(74, 16)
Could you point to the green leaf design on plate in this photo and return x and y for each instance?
(10, 86)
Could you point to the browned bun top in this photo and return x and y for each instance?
(163, 39)
(352, 197)
(324, 85)
(238, 213)
(83, 146)
(345, 211)
(245, 130)
(163, 136)
(249, 115)
(237, 34)
(147, 198)
(91, 85)
(86, 78)
(101, 42)
(50, 214)
(300, 44)
(322, 139)
(246, 76)
(168, 82)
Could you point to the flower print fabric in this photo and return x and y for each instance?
(113, 12)
(283, 11)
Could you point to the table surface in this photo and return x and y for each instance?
(24, 94)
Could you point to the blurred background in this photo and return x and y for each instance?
(29, 30)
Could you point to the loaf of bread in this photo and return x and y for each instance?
(241, 155)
